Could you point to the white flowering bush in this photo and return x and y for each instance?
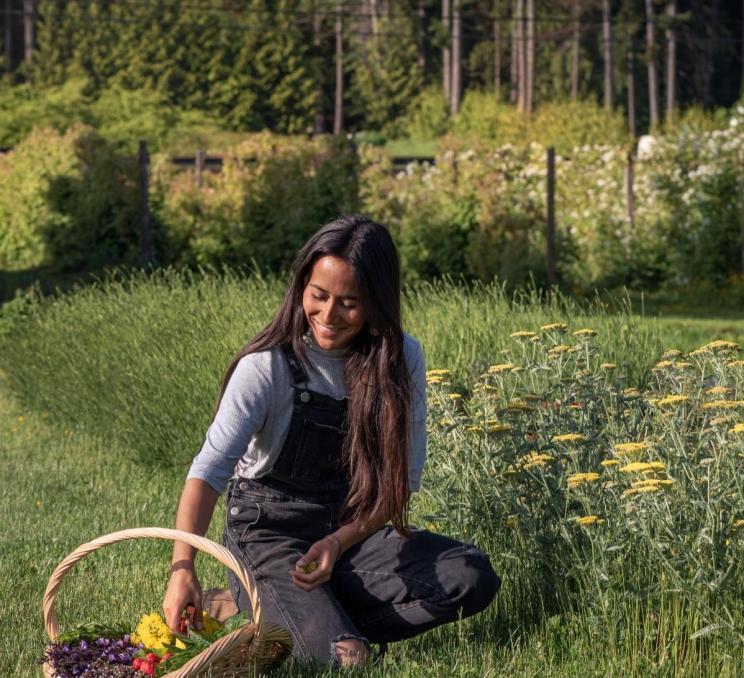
(480, 210)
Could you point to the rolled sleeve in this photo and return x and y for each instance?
(417, 458)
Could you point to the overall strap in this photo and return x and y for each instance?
(295, 366)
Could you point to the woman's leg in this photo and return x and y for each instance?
(395, 588)
(315, 619)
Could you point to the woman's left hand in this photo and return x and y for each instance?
(324, 554)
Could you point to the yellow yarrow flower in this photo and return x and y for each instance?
(474, 429)
(454, 396)
(641, 490)
(608, 366)
(438, 373)
(652, 482)
(502, 367)
(535, 459)
(607, 463)
(446, 422)
(630, 449)
(554, 327)
(511, 521)
(568, 438)
(720, 345)
(736, 363)
(737, 524)
(717, 390)
(585, 332)
(523, 334)
(561, 348)
(434, 380)
(152, 632)
(579, 478)
(498, 428)
(663, 364)
(672, 400)
(589, 520)
(519, 405)
(640, 466)
(738, 428)
(631, 393)
(723, 404)
(671, 353)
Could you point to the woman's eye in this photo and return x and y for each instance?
(318, 298)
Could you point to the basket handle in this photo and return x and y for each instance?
(200, 543)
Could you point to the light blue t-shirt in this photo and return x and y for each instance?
(252, 421)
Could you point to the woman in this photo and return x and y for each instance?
(321, 433)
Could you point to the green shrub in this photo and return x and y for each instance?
(427, 116)
(272, 193)
(66, 200)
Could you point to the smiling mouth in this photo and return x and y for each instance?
(324, 329)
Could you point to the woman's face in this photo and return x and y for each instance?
(331, 303)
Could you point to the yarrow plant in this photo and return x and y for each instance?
(601, 489)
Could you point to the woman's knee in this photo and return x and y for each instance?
(475, 583)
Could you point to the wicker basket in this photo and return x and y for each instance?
(257, 646)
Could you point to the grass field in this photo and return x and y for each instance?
(106, 394)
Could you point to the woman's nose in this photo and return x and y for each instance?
(329, 312)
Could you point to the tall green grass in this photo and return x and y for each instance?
(139, 360)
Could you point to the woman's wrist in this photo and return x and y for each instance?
(182, 564)
(339, 547)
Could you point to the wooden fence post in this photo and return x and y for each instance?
(550, 230)
(146, 255)
(201, 158)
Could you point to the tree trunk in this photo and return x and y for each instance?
(514, 55)
(575, 46)
(653, 87)
(741, 86)
(423, 57)
(8, 37)
(671, 61)
(521, 61)
(446, 50)
(530, 57)
(374, 15)
(496, 48)
(338, 113)
(630, 75)
(29, 17)
(456, 58)
(609, 99)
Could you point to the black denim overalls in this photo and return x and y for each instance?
(382, 589)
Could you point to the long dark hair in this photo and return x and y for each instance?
(377, 380)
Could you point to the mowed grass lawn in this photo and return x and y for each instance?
(75, 469)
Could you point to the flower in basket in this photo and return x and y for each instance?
(153, 633)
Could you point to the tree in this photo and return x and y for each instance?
(607, 55)
(653, 87)
(671, 60)
(575, 48)
(529, 79)
(456, 79)
(447, 50)
(338, 110)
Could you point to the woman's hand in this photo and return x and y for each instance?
(323, 554)
(183, 590)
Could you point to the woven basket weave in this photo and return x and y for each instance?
(258, 646)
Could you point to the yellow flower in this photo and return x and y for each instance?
(672, 400)
(682, 363)
(652, 482)
(641, 490)
(607, 463)
(498, 428)
(511, 521)
(663, 364)
(568, 438)
(631, 393)
(519, 405)
(437, 373)
(640, 466)
(446, 422)
(608, 366)
(523, 334)
(533, 459)
(503, 367)
(589, 520)
(474, 429)
(736, 363)
(723, 404)
(554, 327)
(723, 419)
(434, 380)
(717, 390)
(557, 350)
(720, 345)
(671, 353)
(738, 428)
(454, 396)
(585, 332)
(511, 470)
(630, 449)
(737, 524)
(152, 632)
(578, 478)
